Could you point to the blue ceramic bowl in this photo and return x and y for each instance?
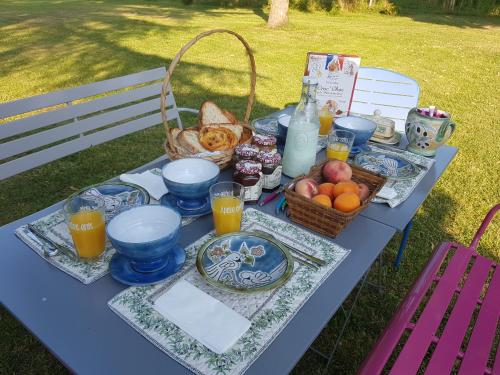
(189, 180)
(362, 128)
(145, 235)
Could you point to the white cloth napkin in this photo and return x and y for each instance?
(148, 180)
(387, 193)
(201, 316)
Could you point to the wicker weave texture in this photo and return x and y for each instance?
(329, 221)
(221, 158)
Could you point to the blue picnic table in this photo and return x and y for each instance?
(74, 322)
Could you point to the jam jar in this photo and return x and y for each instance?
(265, 143)
(245, 152)
(249, 174)
(271, 170)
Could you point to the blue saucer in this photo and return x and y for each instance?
(122, 271)
(357, 149)
(170, 200)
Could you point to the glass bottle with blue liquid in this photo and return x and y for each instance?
(302, 136)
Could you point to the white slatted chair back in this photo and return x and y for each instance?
(392, 93)
(43, 128)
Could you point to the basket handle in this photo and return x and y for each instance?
(177, 58)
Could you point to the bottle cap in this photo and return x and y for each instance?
(310, 80)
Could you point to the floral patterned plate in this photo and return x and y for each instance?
(244, 262)
(390, 166)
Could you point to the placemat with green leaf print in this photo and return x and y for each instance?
(54, 227)
(403, 188)
(269, 311)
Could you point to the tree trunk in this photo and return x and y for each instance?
(278, 16)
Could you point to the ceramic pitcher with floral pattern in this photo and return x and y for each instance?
(427, 129)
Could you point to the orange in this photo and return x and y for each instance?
(323, 200)
(347, 202)
(326, 188)
(344, 187)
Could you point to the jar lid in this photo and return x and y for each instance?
(246, 151)
(269, 158)
(264, 140)
(248, 167)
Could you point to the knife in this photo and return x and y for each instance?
(59, 248)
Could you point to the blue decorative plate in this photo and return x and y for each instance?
(122, 271)
(117, 196)
(390, 166)
(244, 262)
(170, 200)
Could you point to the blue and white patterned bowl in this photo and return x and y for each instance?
(189, 180)
(362, 128)
(145, 235)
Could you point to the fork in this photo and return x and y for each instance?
(317, 262)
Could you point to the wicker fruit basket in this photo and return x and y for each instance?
(328, 221)
(221, 158)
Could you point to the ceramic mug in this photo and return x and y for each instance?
(426, 133)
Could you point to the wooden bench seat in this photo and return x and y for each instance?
(43, 128)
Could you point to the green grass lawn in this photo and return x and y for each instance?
(48, 45)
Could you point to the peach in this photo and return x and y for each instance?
(307, 187)
(344, 187)
(364, 192)
(326, 188)
(336, 171)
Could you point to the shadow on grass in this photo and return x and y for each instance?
(423, 11)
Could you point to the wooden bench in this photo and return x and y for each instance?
(460, 311)
(43, 128)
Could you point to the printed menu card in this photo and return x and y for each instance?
(337, 76)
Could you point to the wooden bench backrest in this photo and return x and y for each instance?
(392, 93)
(43, 128)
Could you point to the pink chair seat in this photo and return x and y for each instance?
(448, 321)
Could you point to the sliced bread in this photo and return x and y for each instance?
(210, 113)
(189, 140)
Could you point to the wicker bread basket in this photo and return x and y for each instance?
(328, 221)
(221, 158)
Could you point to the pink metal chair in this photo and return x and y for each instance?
(461, 309)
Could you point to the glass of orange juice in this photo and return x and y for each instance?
(326, 115)
(227, 206)
(339, 144)
(86, 224)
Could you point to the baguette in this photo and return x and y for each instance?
(189, 140)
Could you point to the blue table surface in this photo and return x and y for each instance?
(74, 322)
(398, 217)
